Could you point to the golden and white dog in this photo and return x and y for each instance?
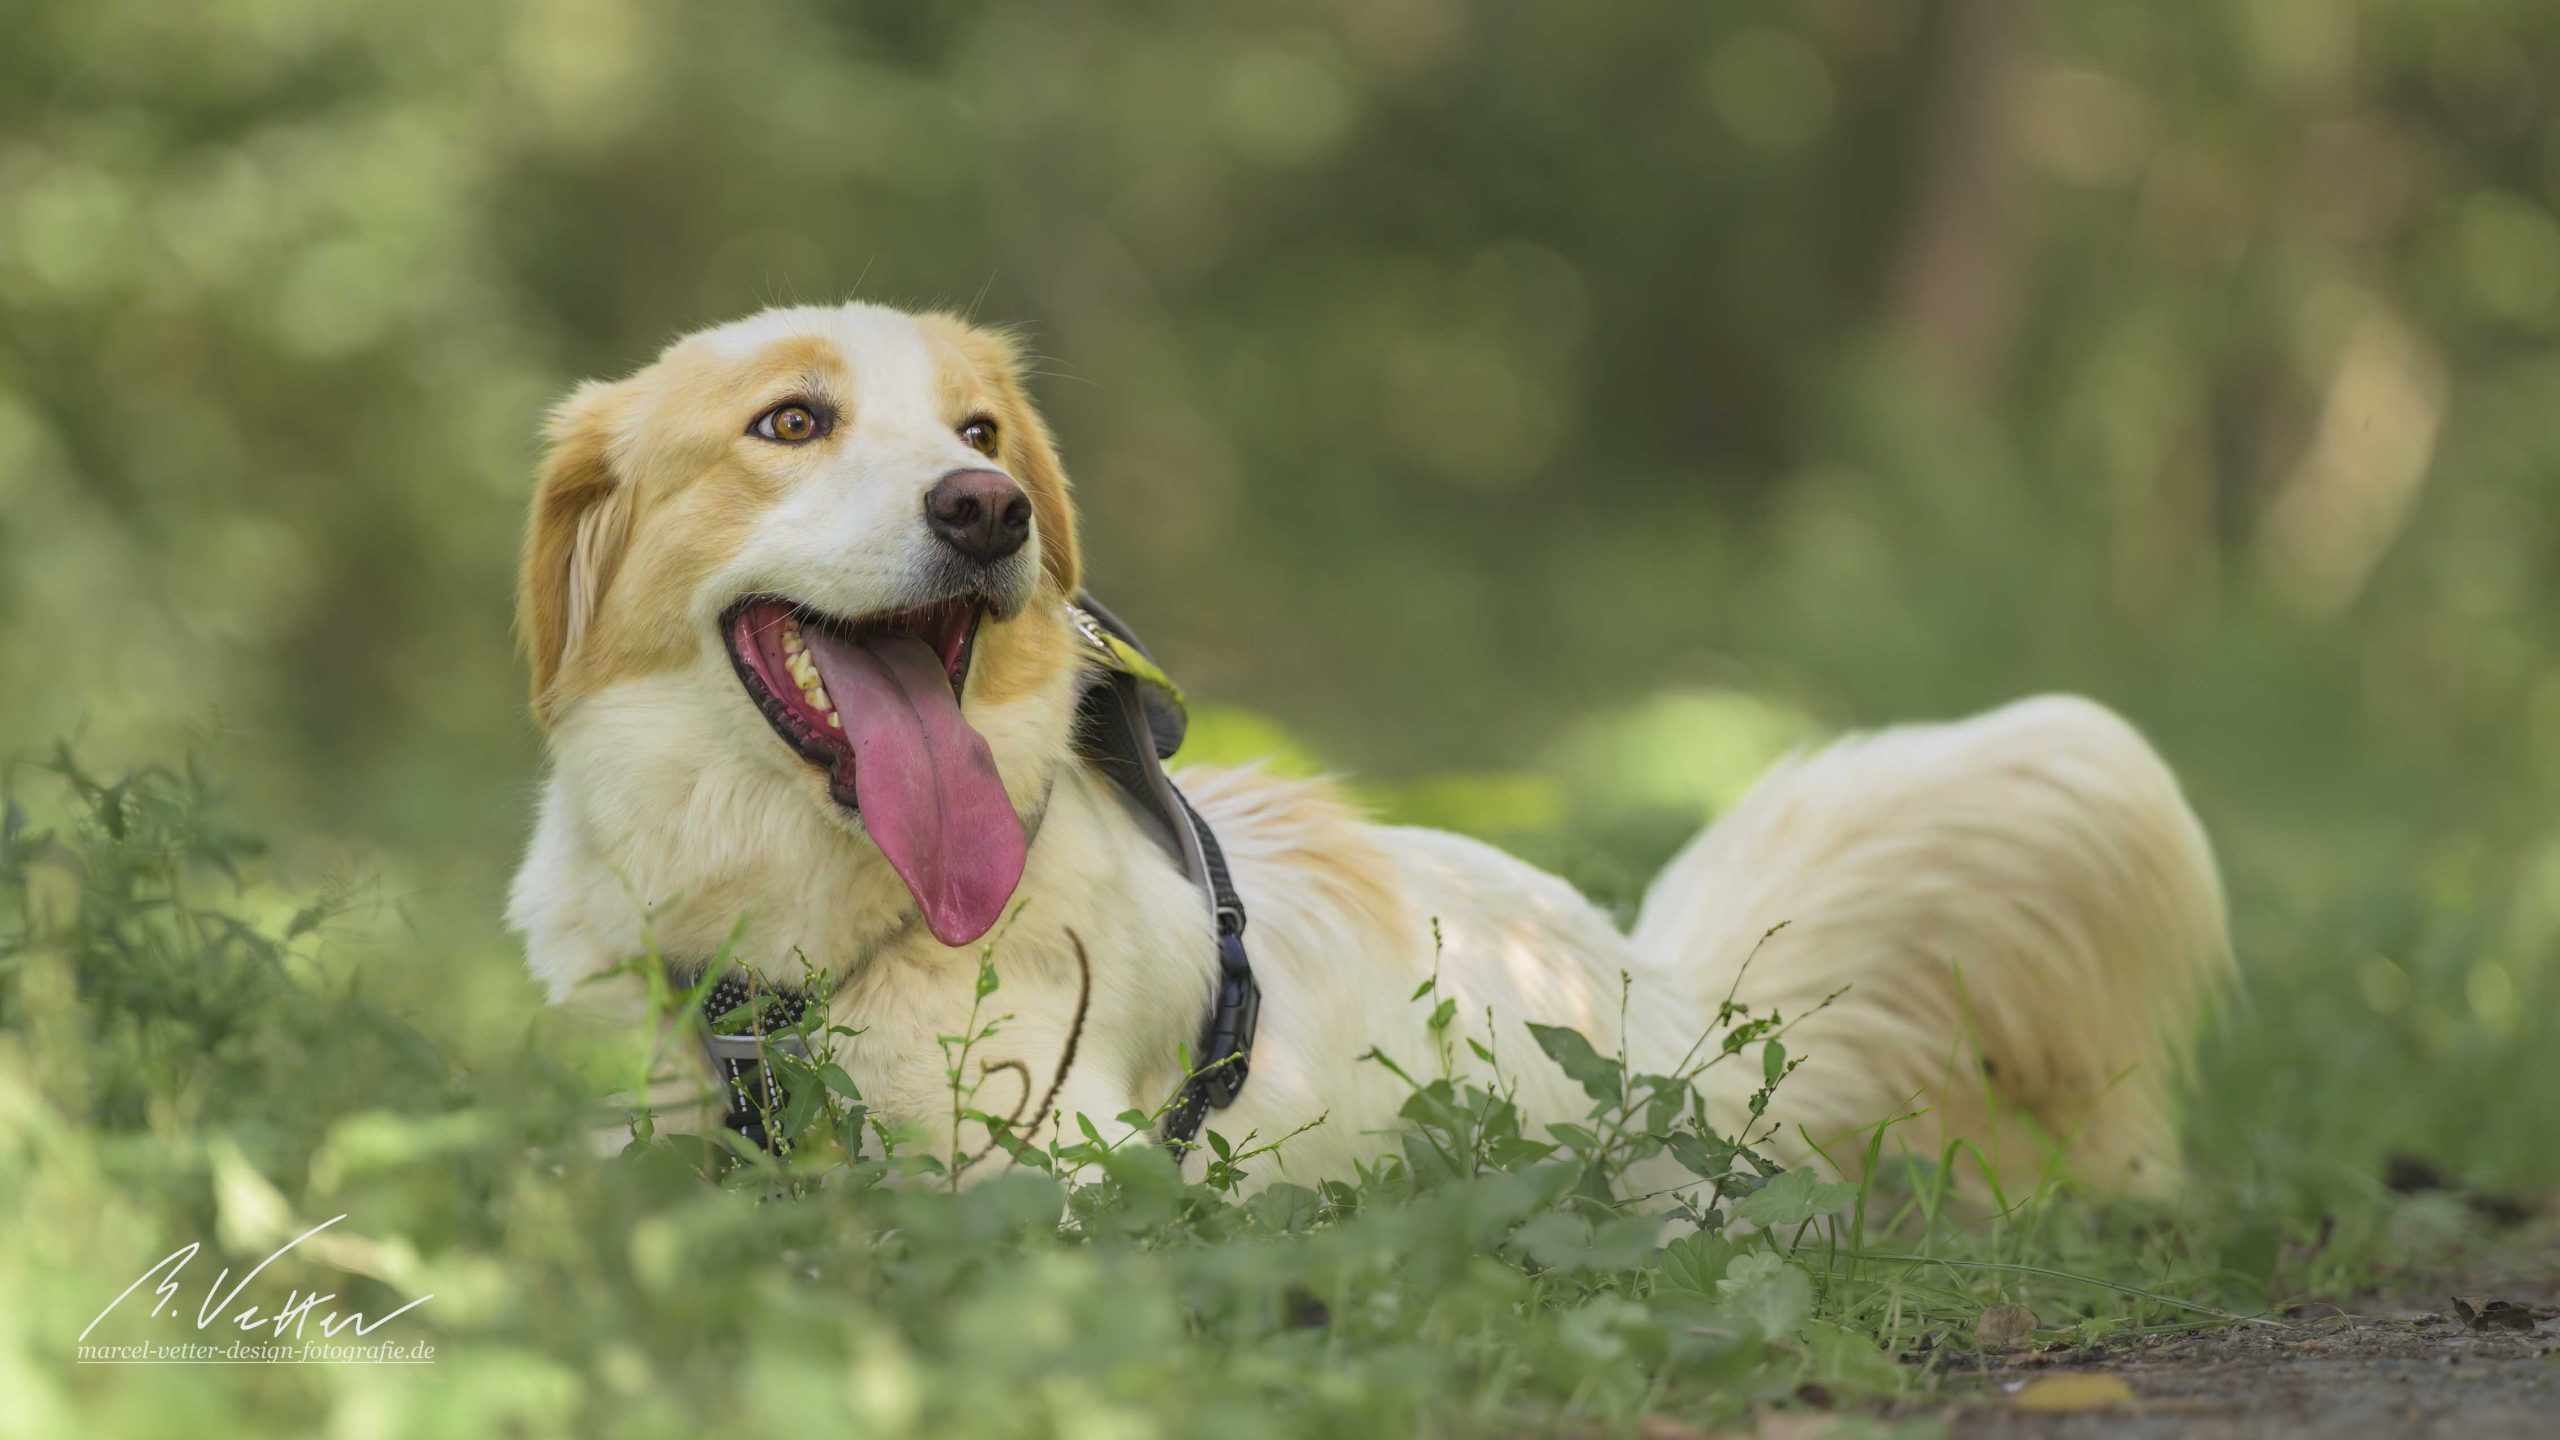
(795, 597)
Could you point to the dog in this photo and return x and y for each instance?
(799, 600)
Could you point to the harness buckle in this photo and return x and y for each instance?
(754, 1093)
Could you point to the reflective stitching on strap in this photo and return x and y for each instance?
(755, 1092)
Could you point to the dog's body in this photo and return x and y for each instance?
(2018, 914)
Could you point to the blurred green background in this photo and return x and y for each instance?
(1544, 414)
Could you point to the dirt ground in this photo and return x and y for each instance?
(2409, 1364)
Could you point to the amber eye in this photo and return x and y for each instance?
(792, 424)
(979, 434)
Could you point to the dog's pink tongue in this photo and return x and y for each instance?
(925, 782)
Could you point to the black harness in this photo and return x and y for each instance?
(755, 1093)
(1129, 721)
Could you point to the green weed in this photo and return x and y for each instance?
(172, 1072)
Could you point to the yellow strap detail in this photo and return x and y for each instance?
(1115, 653)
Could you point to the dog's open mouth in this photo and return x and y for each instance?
(875, 703)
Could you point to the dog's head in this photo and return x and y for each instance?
(843, 535)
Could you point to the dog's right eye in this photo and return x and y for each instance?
(791, 424)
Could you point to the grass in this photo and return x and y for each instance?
(186, 1057)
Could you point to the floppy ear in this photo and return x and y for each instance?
(580, 525)
(1029, 454)
(1053, 509)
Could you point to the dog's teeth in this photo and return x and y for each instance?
(834, 721)
(803, 669)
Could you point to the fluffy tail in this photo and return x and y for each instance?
(2020, 913)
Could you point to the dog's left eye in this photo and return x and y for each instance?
(979, 434)
(795, 423)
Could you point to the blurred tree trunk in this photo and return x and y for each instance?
(1953, 291)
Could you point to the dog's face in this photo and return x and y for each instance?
(847, 523)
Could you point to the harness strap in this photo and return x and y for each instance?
(755, 1093)
(1118, 732)
(1225, 1056)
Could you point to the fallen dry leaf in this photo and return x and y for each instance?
(2069, 1393)
(2005, 1327)
(2496, 1314)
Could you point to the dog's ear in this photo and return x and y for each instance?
(1035, 463)
(1029, 455)
(580, 524)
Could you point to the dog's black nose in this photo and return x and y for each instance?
(980, 513)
